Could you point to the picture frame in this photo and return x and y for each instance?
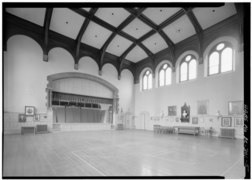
(36, 117)
(238, 121)
(21, 118)
(226, 121)
(172, 110)
(235, 108)
(195, 120)
(202, 107)
(29, 110)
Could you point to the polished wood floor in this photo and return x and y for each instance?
(121, 153)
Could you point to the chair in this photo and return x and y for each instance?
(202, 131)
(157, 128)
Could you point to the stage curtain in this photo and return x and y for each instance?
(76, 115)
(59, 115)
(92, 116)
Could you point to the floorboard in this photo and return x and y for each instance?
(121, 153)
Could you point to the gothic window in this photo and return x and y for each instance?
(220, 59)
(164, 75)
(147, 80)
(188, 68)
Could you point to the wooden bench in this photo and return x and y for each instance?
(188, 130)
(28, 129)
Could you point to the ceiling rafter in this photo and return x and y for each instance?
(173, 18)
(105, 24)
(119, 28)
(47, 21)
(197, 27)
(122, 58)
(80, 35)
(152, 25)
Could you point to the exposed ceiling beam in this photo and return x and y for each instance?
(171, 19)
(198, 29)
(126, 22)
(194, 21)
(105, 24)
(127, 51)
(152, 25)
(80, 35)
(47, 22)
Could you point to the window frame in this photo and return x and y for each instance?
(165, 71)
(213, 49)
(187, 62)
(147, 76)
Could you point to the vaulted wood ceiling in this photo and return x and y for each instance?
(127, 35)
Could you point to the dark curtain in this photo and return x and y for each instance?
(92, 116)
(59, 115)
(77, 115)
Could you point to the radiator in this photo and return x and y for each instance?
(227, 132)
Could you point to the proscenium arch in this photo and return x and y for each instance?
(233, 41)
(181, 57)
(161, 63)
(65, 75)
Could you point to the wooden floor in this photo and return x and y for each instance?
(121, 153)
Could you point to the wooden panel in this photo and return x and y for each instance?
(82, 87)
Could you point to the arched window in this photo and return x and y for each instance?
(220, 59)
(188, 68)
(164, 75)
(147, 80)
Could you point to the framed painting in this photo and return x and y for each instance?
(226, 121)
(235, 108)
(185, 113)
(203, 107)
(21, 118)
(194, 120)
(36, 117)
(172, 110)
(238, 121)
(29, 110)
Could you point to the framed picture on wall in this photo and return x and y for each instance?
(235, 108)
(203, 106)
(238, 121)
(29, 110)
(172, 110)
(226, 121)
(36, 117)
(21, 118)
(194, 120)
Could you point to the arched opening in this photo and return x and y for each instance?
(78, 99)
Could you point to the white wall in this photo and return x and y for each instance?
(25, 75)
(218, 89)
